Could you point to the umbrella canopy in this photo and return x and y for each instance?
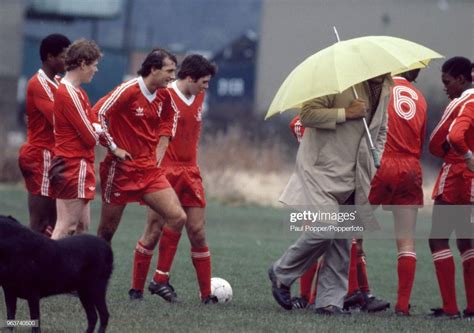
(344, 64)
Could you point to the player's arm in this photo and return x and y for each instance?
(104, 109)
(168, 116)
(458, 129)
(319, 112)
(161, 148)
(168, 125)
(77, 116)
(44, 104)
(438, 145)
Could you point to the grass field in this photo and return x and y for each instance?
(244, 241)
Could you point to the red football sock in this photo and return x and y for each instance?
(201, 258)
(306, 281)
(167, 249)
(406, 276)
(468, 271)
(314, 293)
(445, 272)
(141, 265)
(362, 274)
(353, 284)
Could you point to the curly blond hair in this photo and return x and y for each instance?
(82, 50)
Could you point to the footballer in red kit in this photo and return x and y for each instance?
(397, 185)
(36, 154)
(76, 133)
(139, 119)
(453, 141)
(182, 171)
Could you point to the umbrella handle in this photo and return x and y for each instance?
(375, 154)
(376, 157)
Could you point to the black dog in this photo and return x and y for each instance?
(33, 266)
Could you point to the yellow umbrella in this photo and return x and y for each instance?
(344, 64)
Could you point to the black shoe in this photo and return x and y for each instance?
(354, 300)
(373, 304)
(299, 302)
(135, 294)
(281, 293)
(439, 313)
(468, 315)
(331, 310)
(211, 299)
(164, 290)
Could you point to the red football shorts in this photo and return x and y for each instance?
(187, 183)
(397, 182)
(454, 184)
(34, 164)
(72, 178)
(122, 184)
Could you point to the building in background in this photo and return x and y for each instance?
(232, 91)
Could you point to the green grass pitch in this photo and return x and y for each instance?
(243, 241)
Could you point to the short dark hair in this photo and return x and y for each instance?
(155, 59)
(458, 66)
(79, 51)
(53, 44)
(196, 66)
(410, 75)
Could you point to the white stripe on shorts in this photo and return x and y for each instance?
(46, 165)
(81, 193)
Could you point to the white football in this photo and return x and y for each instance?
(221, 289)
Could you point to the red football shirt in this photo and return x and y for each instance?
(134, 119)
(74, 134)
(406, 119)
(439, 145)
(39, 110)
(183, 148)
(461, 131)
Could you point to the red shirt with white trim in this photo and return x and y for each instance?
(39, 110)
(439, 145)
(406, 119)
(74, 134)
(134, 119)
(461, 131)
(183, 149)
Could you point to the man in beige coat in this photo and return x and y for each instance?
(334, 167)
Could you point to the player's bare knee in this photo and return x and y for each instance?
(181, 218)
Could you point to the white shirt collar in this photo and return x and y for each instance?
(148, 95)
(64, 81)
(43, 75)
(187, 101)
